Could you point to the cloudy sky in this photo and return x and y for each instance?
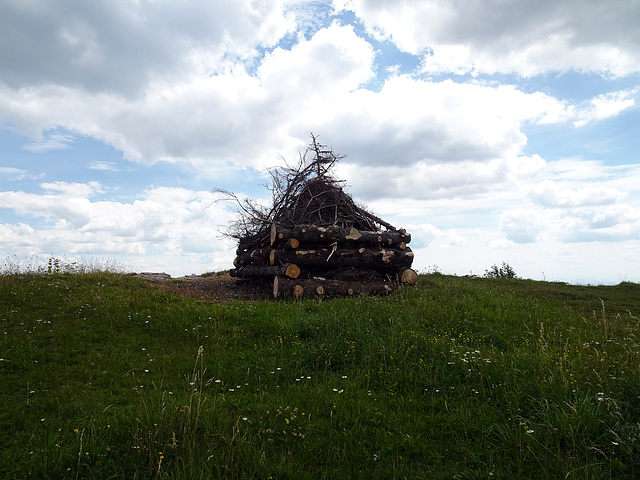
(492, 130)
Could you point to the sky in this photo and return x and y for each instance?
(491, 130)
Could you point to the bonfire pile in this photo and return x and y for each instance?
(315, 241)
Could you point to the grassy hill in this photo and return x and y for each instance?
(461, 378)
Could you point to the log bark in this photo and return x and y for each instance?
(318, 288)
(258, 256)
(383, 259)
(288, 270)
(386, 238)
(310, 234)
(251, 243)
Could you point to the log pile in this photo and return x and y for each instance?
(329, 261)
(315, 241)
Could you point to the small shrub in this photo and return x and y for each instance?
(505, 271)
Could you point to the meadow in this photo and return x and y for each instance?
(457, 378)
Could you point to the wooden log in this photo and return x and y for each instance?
(409, 277)
(310, 234)
(289, 270)
(283, 288)
(258, 256)
(377, 259)
(318, 288)
(385, 238)
(251, 243)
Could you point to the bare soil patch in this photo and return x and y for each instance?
(213, 287)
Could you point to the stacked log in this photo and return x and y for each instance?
(306, 261)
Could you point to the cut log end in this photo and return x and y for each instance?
(287, 288)
(310, 234)
(284, 288)
(409, 277)
(292, 271)
(353, 234)
(275, 286)
(294, 243)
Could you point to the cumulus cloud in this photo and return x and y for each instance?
(423, 181)
(422, 234)
(104, 46)
(164, 221)
(606, 105)
(526, 38)
(521, 225)
(580, 203)
(550, 194)
(230, 116)
(410, 121)
(610, 223)
(434, 181)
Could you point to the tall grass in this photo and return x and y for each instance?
(457, 378)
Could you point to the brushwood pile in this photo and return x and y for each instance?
(314, 240)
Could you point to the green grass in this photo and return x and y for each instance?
(457, 378)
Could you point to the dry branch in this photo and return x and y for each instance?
(304, 194)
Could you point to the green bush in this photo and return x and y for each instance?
(505, 271)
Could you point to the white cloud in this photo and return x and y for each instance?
(522, 225)
(230, 116)
(411, 121)
(551, 194)
(556, 53)
(334, 59)
(422, 234)
(575, 204)
(547, 259)
(606, 106)
(103, 166)
(17, 174)
(166, 225)
(607, 224)
(119, 47)
(50, 141)
(522, 37)
(73, 189)
(234, 117)
(424, 181)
